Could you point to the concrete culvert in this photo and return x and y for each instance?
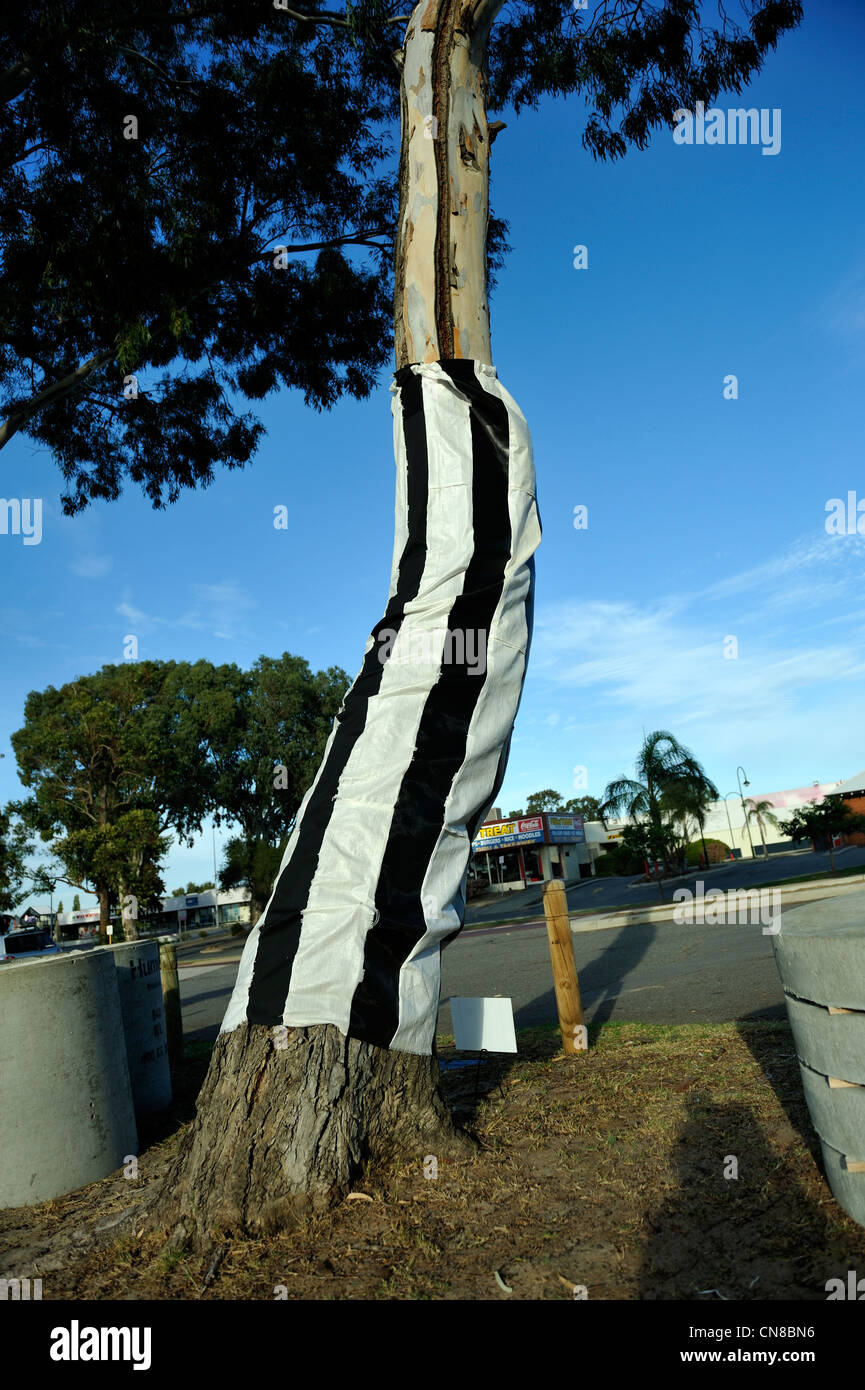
(66, 1115)
(820, 954)
(143, 1012)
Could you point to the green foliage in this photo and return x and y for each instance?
(546, 800)
(670, 791)
(589, 807)
(635, 65)
(153, 256)
(244, 747)
(251, 864)
(267, 748)
(819, 820)
(717, 850)
(15, 845)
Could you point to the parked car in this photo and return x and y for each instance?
(27, 944)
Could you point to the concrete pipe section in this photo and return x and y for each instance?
(820, 954)
(66, 1115)
(143, 1013)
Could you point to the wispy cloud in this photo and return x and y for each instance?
(222, 610)
(673, 660)
(91, 566)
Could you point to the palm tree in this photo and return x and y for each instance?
(761, 811)
(670, 783)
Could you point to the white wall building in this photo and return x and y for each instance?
(726, 818)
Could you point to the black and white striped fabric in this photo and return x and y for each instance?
(373, 877)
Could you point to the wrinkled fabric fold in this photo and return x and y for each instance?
(372, 882)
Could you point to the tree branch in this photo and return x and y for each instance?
(48, 394)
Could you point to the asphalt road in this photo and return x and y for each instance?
(602, 894)
(654, 972)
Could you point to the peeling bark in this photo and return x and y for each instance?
(441, 308)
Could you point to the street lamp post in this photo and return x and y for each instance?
(729, 822)
(740, 780)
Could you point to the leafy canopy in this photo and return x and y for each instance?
(153, 154)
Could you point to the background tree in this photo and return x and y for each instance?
(820, 821)
(763, 812)
(15, 845)
(253, 865)
(265, 758)
(589, 807)
(669, 783)
(93, 753)
(546, 800)
(687, 798)
(118, 861)
(76, 903)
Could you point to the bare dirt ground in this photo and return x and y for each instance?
(605, 1172)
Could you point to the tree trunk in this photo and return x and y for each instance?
(440, 306)
(286, 1123)
(294, 1108)
(128, 914)
(104, 896)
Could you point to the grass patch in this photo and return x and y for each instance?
(612, 1169)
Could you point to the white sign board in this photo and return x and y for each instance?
(483, 1025)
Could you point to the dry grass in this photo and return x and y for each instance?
(605, 1170)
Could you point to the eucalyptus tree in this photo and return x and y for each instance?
(158, 255)
(326, 1058)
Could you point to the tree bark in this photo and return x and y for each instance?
(440, 307)
(104, 896)
(288, 1119)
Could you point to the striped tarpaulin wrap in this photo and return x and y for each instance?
(372, 880)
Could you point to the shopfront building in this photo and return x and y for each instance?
(509, 855)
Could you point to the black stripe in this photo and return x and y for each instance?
(443, 733)
(280, 931)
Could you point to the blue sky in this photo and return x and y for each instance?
(706, 516)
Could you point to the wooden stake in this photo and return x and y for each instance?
(171, 999)
(565, 981)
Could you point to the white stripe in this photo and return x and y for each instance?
(339, 913)
(489, 733)
(239, 1002)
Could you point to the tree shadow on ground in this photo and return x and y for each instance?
(774, 1051)
(540, 1039)
(600, 981)
(771, 1232)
